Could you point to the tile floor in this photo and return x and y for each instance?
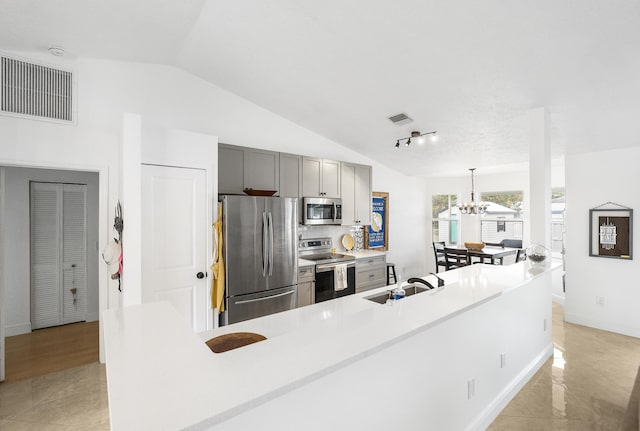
(585, 386)
(73, 399)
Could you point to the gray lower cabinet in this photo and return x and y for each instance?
(306, 285)
(371, 272)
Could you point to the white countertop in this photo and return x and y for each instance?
(153, 356)
(304, 262)
(363, 254)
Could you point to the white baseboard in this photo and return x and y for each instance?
(11, 330)
(492, 411)
(601, 324)
(557, 298)
(92, 317)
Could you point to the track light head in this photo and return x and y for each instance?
(417, 136)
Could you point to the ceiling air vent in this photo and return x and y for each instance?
(400, 119)
(33, 90)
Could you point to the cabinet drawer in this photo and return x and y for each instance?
(306, 273)
(361, 287)
(374, 275)
(367, 262)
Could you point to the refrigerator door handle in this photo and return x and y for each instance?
(270, 219)
(266, 298)
(265, 244)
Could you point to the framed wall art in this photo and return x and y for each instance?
(377, 234)
(611, 232)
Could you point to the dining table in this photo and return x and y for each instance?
(492, 253)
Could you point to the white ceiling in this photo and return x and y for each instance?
(469, 69)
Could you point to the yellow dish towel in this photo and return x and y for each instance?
(217, 289)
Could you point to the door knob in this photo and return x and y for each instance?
(200, 274)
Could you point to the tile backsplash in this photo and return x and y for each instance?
(333, 232)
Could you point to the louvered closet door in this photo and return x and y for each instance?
(74, 253)
(45, 255)
(58, 254)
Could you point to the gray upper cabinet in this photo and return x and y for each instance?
(320, 177)
(241, 167)
(296, 176)
(230, 169)
(261, 170)
(356, 194)
(290, 175)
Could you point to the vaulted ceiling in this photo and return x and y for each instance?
(470, 70)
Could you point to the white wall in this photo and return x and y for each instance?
(594, 179)
(17, 249)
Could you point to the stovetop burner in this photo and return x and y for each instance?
(328, 258)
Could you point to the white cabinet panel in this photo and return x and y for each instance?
(230, 169)
(261, 170)
(242, 168)
(356, 194)
(320, 177)
(290, 176)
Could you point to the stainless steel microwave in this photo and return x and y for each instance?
(322, 211)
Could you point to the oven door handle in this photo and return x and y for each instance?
(331, 267)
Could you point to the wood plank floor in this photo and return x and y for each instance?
(49, 350)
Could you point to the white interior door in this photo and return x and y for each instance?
(174, 226)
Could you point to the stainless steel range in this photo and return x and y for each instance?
(335, 273)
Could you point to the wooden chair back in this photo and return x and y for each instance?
(438, 252)
(455, 258)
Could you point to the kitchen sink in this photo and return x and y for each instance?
(381, 298)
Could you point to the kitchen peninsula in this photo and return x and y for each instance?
(449, 358)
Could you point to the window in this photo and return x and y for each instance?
(503, 218)
(444, 218)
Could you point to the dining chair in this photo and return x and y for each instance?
(513, 243)
(455, 258)
(494, 244)
(438, 252)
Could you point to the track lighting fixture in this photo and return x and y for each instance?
(416, 135)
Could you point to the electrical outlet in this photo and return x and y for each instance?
(503, 360)
(600, 300)
(471, 388)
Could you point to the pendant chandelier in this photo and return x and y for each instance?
(473, 208)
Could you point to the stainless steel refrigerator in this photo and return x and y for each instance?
(260, 251)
